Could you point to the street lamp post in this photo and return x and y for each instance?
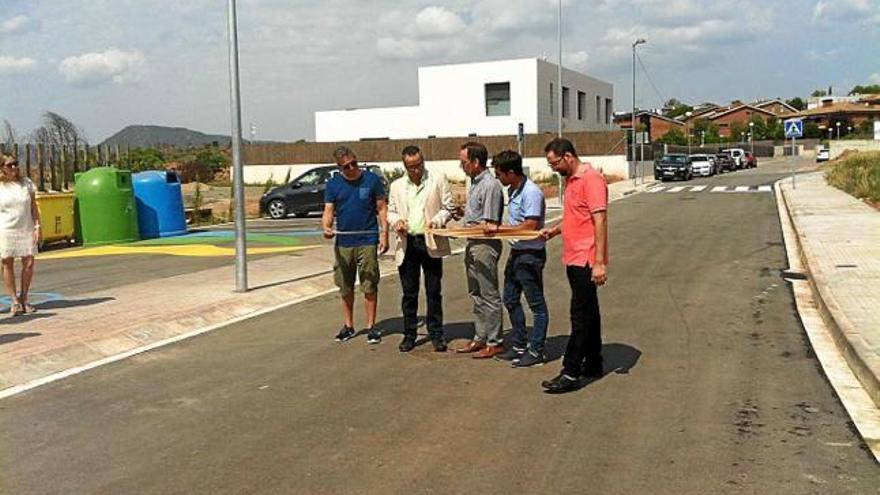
(632, 119)
(559, 69)
(752, 136)
(241, 284)
(838, 129)
(702, 139)
(687, 126)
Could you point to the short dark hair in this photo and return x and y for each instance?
(411, 150)
(476, 151)
(508, 161)
(560, 146)
(343, 151)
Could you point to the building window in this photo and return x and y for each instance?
(598, 109)
(552, 98)
(582, 103)
(565, 100)
(608, 109)
(497, 99)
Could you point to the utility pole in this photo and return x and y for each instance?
(559, 70)
(633, 114)
(241, 283)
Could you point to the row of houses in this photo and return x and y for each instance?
(828, 115)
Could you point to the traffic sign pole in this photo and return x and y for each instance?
(793, 153)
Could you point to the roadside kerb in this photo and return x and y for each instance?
(863, 361)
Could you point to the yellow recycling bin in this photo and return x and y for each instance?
(56, 216)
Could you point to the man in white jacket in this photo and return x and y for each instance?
(418, 202)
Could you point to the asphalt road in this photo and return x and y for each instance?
(75, 276)
(715, 390)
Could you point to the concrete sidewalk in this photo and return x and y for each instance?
(839, 244)
(95, 328)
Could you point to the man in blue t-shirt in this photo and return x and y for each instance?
(524, 273)
(356, 199)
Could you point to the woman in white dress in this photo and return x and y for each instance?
(19, 232)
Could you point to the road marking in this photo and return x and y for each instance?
(719, 189)
(742, 189)
(194, 250)
(655, 189)
(765, 188)
(676, 189)
(698, 188)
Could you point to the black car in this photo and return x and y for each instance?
(305, 194)
(725, 162)
(673, 166)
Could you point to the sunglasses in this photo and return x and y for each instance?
(349, 165)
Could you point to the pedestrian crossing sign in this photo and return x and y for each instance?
(794, 128)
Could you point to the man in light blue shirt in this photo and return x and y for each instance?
(524, 272)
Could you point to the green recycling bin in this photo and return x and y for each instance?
(105, 209)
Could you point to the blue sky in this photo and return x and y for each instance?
(109, 63)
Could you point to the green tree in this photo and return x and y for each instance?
(736, 131)
(812, 131)
(758, 129)
(674, 108)
(866, 128)
(146, 159)
(775, 129)
(797, 103)
(709, 128)
(819, 92)
(674, 136)
(865, 90)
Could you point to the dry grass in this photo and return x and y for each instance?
(857, 174)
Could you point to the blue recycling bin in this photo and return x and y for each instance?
(159, 200)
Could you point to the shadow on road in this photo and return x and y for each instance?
(16, 320)
(9, 338)
(72, 303)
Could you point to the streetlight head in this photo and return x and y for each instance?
(837, 124)
(751, 124)
(640, 41)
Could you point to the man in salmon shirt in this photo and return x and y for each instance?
(584, 230)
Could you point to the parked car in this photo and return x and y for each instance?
(703, 165)
(724, 163)
(738, 155)
(823, 154)
(751, 160)
(305, 194)
(673, 166)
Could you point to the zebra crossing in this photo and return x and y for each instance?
(713, 189)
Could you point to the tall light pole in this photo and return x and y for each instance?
(559, 69)
(752, 136)
(838, 129)
(702, 139)
(687, 124)
(632, 119)
(241, 284)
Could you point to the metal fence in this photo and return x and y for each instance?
(52, 167)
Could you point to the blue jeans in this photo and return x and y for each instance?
(524, 273)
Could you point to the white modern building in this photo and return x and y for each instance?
(484, 98)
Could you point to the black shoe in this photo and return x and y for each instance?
(513, 355)
(374, 336)
(560, 384)
(593, 371)
(345, 334)
(407, 344)
(439, 344)
(529, 359)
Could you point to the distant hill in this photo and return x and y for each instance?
(144, 136)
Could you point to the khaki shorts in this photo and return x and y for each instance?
(361, 262)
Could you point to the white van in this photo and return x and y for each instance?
(738, 155)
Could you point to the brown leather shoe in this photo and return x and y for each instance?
(488, 351)
(472, 346)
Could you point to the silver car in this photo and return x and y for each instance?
(703, 165)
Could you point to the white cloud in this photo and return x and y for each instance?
(12, 65)
(814, 56)
(438, 21)
(825, 11)
(874, 78)
(112, 65)
(577, 60)
(17, 24)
